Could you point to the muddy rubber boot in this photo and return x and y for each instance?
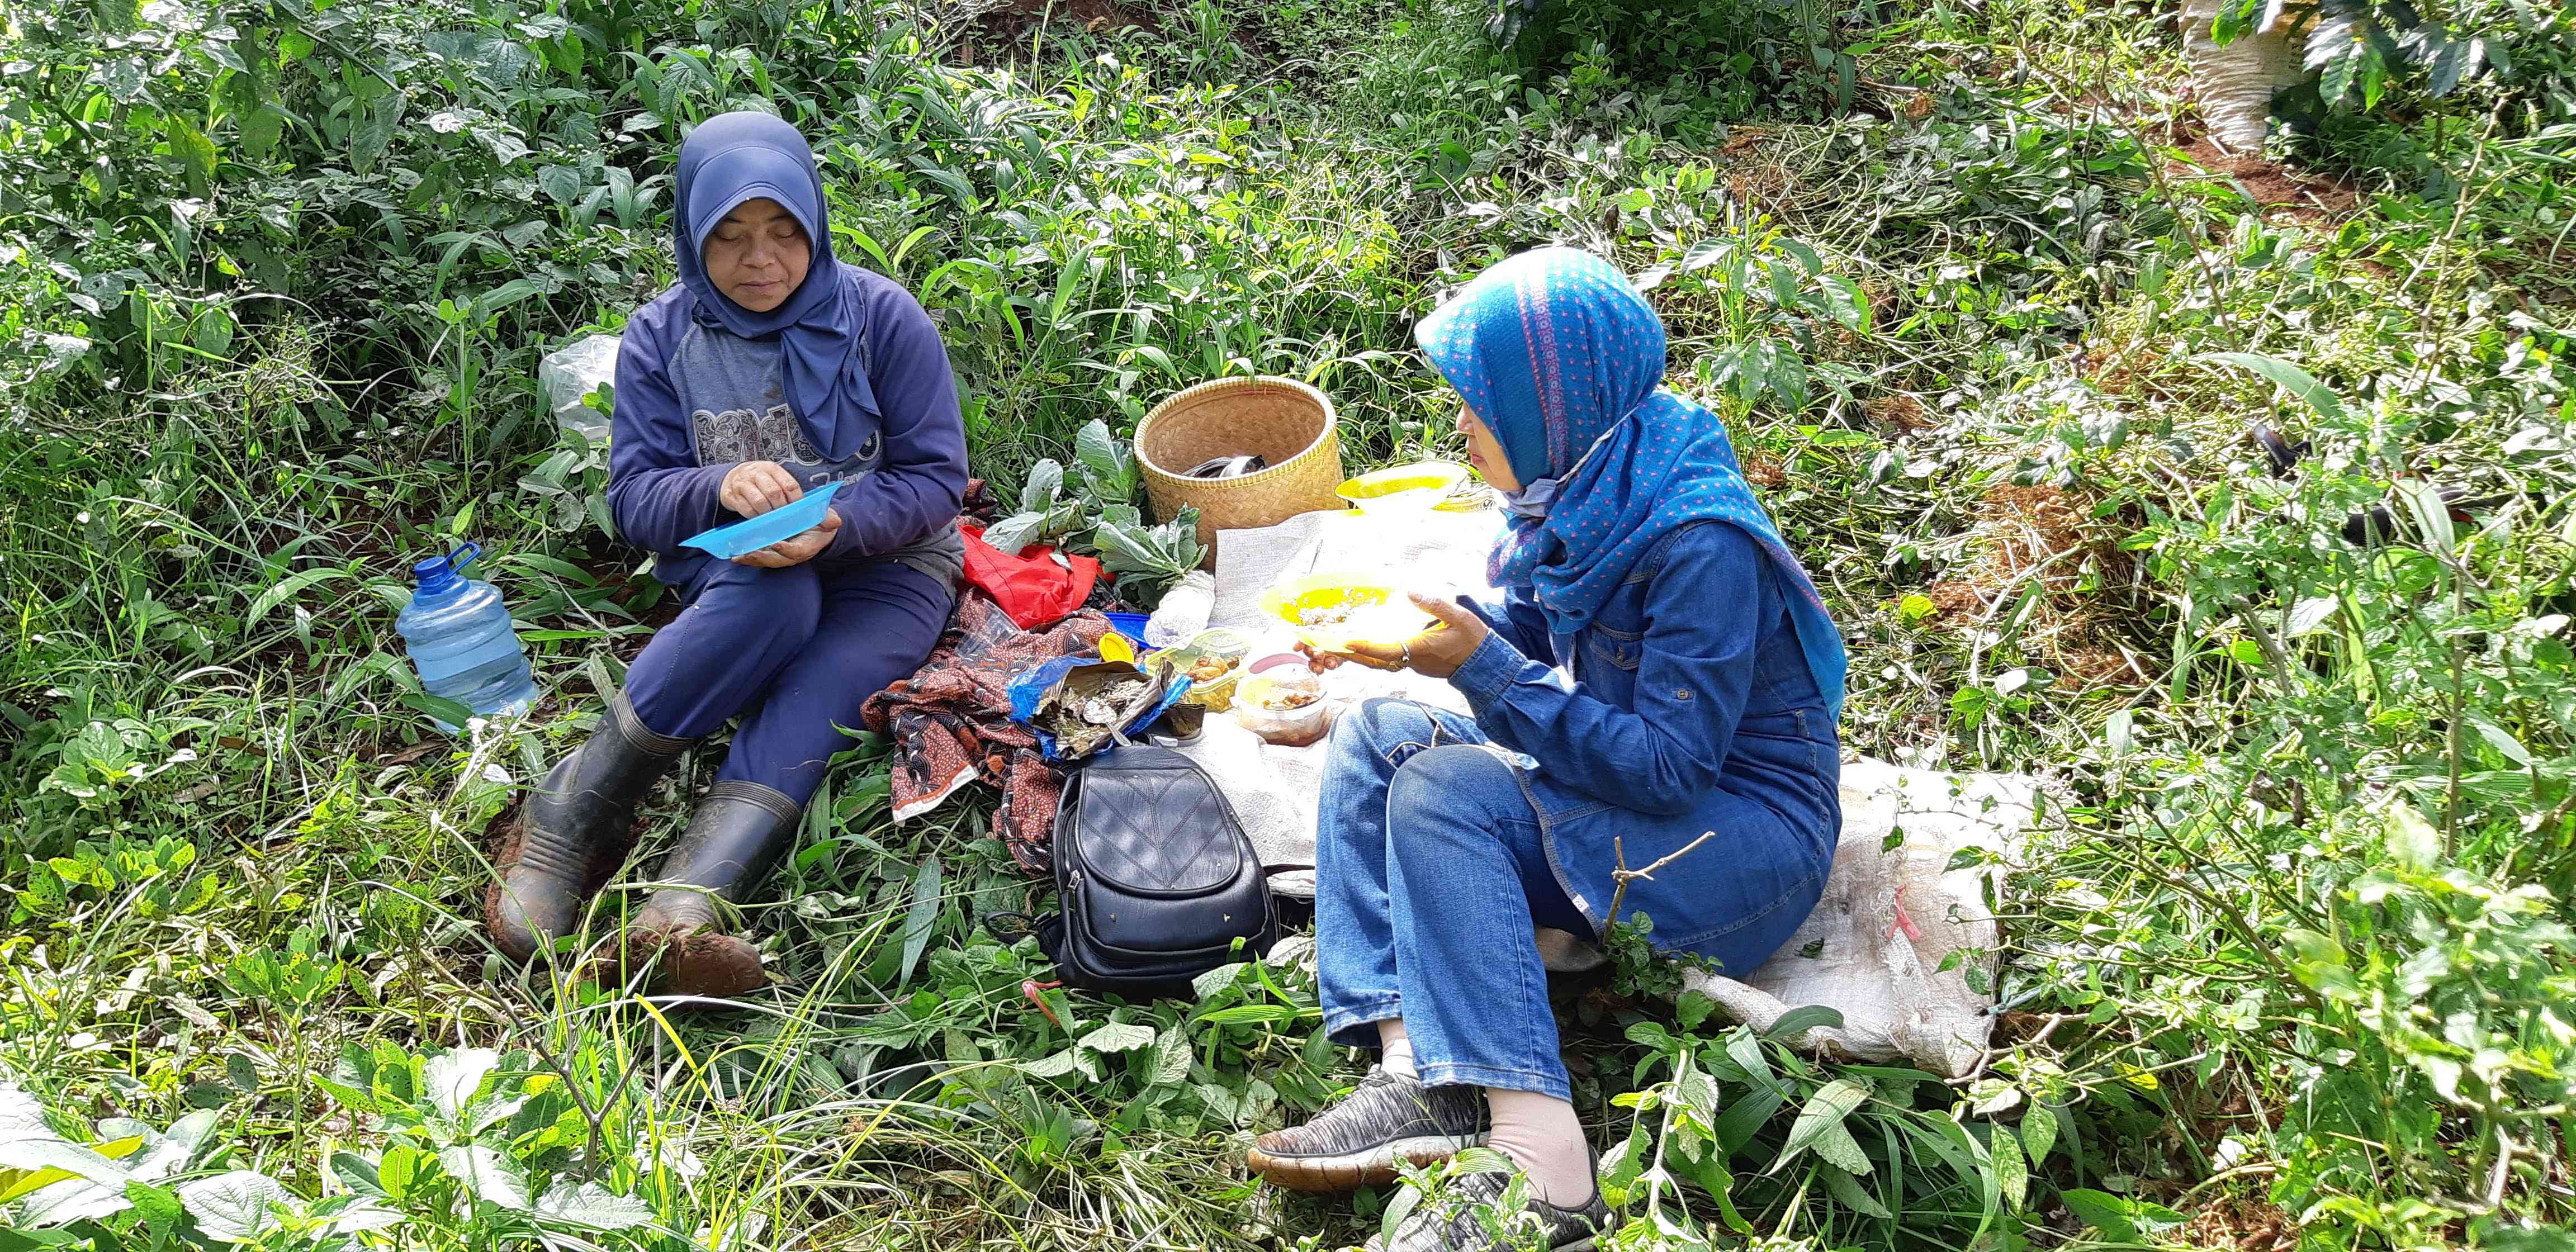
(573, 831)
(739, 832)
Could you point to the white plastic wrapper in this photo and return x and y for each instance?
(572, 372)
(1184, 612)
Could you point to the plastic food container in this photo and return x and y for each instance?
(1419, 487)
(751, 534)
(1226, 647)
(1257, 701)
(1377, 613)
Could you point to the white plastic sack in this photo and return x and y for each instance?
(570, 373)
(1874, 946)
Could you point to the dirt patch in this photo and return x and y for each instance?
(1956, 599)
(2280, 191)
(1000, 32)
(2026, 528)
(2244, 1224)
(1899, 412)
(2044, 536)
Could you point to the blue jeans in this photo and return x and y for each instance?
(1431, 871)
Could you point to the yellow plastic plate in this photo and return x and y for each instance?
(1382, 616)
(1425, 485)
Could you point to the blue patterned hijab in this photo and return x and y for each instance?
(735, 157)
(1564, 362)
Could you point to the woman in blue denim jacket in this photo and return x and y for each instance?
(1659, 673)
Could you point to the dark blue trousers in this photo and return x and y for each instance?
(794, 652)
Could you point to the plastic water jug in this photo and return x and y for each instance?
(458, 633)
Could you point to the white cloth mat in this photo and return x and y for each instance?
(1275, 790)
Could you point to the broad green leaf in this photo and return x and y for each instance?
(1211, 982)
(2431, 513)
(1800, 1020)
(919, 919)
(71, 1200)
(73, 1160)
(1171, 1057)
(1695, 1090)
(2012, 1174)
(374, 131)
(2039, 1133)
(1744, 1119)
(453, 1077)
(2308, 615)
(1045, 482)
(2103, 1212)
(2502, 740)
(1012, 535)
(401, 1164)
(1823, 1111)
(236, 1207)
(486, 1175)
(195, 152)
(2412, 841)
(1848, 1189)
(1119, 1037)
(2296, 381)
(1837, 1147)
(592, 1205)
(1056, 1066)
(286, 588)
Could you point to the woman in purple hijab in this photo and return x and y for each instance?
(769, 370)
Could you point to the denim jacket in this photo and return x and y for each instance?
(1686, 706)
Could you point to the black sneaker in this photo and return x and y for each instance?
(1467, 1216)
(1357, 1142)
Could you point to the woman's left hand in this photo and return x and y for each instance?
(1437, 652)
(797, 549)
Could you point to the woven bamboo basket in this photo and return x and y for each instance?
(1288, 423)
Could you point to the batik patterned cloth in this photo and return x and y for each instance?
(951, 723)
(1564, 362)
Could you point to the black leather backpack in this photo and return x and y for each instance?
(1155, 876)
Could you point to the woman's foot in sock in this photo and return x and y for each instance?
(1395, 1048)
(1541, 1135)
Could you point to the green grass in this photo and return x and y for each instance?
(2289, 955)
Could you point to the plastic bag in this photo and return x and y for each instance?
(570, 373)
(1079, 705)
(1184, 612)
(1037, 588)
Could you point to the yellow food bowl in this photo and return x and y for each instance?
(1404, 487)
(1378, 612)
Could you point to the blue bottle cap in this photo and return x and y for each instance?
(437, 576)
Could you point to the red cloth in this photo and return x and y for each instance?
(1035, 590)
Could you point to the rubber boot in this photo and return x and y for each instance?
(573, 831)
(739, 832)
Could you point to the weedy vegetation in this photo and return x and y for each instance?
(2287, 963)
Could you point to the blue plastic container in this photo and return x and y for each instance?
(458, 633)
(751, 534)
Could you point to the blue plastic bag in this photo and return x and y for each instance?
(1030, 688)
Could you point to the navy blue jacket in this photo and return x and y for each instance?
(693, 400)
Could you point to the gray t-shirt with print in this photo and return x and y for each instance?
(736, 400)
